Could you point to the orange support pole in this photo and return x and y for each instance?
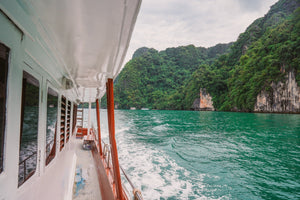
(111, 127)
(98, 123)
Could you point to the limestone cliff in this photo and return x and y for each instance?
(204, 103)
(281, 97)
(196, 104)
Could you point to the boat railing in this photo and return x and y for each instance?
(27, 172)
(136, 192)
(137, 195)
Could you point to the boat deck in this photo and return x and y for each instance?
(86, 185)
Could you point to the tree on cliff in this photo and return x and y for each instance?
(233, 74)
(154, 79)
(263, 53)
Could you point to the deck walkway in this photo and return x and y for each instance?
(87, 189)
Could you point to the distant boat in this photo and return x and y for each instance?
(132, 108)
(145, 109)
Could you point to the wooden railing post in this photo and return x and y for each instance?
(98, 124)
(111, 127)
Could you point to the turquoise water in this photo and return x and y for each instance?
(209, 155)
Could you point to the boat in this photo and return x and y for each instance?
(55, 55)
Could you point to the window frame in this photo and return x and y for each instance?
(49, 85)
(5, 56)
(33, 79)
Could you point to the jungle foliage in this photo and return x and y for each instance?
(155, 79)
(232, 73)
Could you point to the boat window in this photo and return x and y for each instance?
(52, 105)
(3, 83)
(62, 122)
(29, 127)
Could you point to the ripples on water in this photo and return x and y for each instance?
(207, 155)
(210, 155)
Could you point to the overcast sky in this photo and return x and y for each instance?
(171, 23)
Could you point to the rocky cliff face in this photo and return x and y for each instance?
(196, 104)
(281, 97)
(204, 103)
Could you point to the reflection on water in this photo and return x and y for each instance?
(29, 127)
(51, 126)
(28, 146)
(208, 155)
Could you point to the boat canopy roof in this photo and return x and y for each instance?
(88, 39)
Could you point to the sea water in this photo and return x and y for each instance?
(209, 155)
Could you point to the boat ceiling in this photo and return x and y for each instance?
(88, 37)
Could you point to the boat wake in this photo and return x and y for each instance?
(149, 167)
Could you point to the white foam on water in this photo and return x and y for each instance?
(155, 173)
(150, 168)
(163, 127)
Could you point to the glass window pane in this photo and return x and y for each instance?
(29, 127)
(3, 83)
(52, 106)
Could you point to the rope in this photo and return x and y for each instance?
(137, 194)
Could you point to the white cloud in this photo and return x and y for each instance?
(170, 23)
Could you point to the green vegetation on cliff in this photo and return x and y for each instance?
(262, 54)
(266, 61)
(152, 79)
(233, 74)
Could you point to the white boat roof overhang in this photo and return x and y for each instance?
(89, 37)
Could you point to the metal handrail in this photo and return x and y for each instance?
(25, 175)
(136, 192)
(107, 154)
